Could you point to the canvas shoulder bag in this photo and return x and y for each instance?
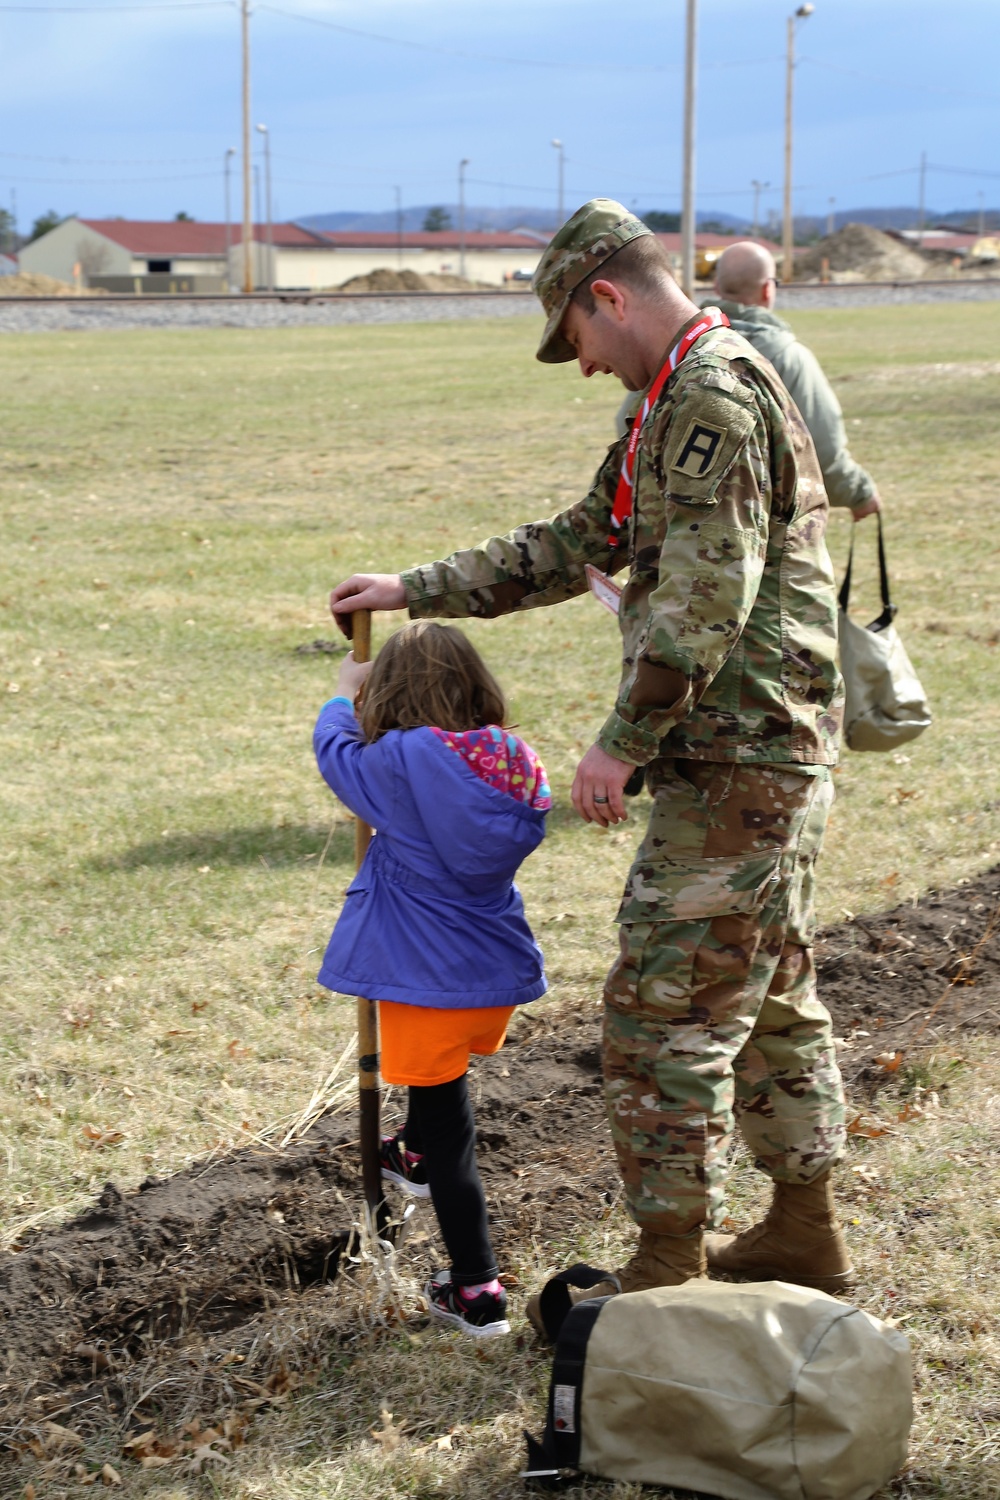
(885, 703)
(757, 1392)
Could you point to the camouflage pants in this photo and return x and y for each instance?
(711, 1010)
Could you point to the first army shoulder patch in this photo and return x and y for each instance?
(699, 449)
(709, 431)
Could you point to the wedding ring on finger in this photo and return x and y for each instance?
(600, 799)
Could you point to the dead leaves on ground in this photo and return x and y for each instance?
(391, 1436)
(98, 1137)
(55, 1446)
(79, 1020)
(871, 1126)
(194, 1449)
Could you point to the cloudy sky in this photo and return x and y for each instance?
(127, 107)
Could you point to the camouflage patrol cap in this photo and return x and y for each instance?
(584, 242)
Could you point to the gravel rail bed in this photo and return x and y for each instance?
(885, 293)
(299, 310)
(319, 310)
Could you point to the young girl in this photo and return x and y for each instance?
(433, 926)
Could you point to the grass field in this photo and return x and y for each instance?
(175, 508)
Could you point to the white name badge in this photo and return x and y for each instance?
(604, 590)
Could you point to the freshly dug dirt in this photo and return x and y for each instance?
(34, 284)
(860, 253)
(383, 279)
(183, 1261)
(913, 976)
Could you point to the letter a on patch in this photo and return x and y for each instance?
(700, 448)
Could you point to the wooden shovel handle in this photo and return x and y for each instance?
(368, 1089)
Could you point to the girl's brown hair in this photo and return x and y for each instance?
(429, 674)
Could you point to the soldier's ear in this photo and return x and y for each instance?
(611, 298)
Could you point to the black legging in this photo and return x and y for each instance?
(439, 1125)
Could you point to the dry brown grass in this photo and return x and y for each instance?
(176, 506)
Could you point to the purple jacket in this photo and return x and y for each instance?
(433, 916)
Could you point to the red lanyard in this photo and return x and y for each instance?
(622, 508)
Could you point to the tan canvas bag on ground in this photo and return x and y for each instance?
(748, 1392)
(885, 704)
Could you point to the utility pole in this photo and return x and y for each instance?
(13, 220)
(788, 227)
(982, 215)
(687, 200)
(230, 153)
(267, 198)
(831, 218)
(758, 188)
(461, 214)
(248, 277)
(560, 201)
(923, 200)
(399, 224)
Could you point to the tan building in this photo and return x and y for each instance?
(493, 257)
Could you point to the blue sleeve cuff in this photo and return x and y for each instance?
(339, 699)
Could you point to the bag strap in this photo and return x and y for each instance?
(555, 1460)
(888, 608)
(555, 1301)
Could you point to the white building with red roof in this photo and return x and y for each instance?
(113, 252)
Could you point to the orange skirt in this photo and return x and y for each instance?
(421, 1045)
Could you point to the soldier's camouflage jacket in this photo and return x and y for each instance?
(728, 617)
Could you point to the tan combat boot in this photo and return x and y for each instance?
(799, 1241)
(664, 1260)
(659, 1260)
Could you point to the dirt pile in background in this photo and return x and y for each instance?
(384, 279)
(34, 284)
(185, 1272)
(860, 253)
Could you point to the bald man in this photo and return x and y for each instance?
(745, 288)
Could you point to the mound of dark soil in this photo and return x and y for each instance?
(215, 1246)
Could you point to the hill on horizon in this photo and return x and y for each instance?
(542, 220)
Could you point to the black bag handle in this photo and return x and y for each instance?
(555, 1302)
(888, 608)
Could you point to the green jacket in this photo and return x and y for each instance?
(728, 615)
(847, 483)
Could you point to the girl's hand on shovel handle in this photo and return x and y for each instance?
(352, 676)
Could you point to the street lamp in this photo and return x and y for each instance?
(267, 195)
(831, 218)
(758, 188)
(461, 214)
(687, 198)
(560, 211)
(788, 237)
(230, 153)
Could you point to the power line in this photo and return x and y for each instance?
(898, 83)
(97, 161)
(959, 171)
(117, 10)
(108, 182)
(395, 41)
(559, 65)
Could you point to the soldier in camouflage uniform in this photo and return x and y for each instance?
(730, 699)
